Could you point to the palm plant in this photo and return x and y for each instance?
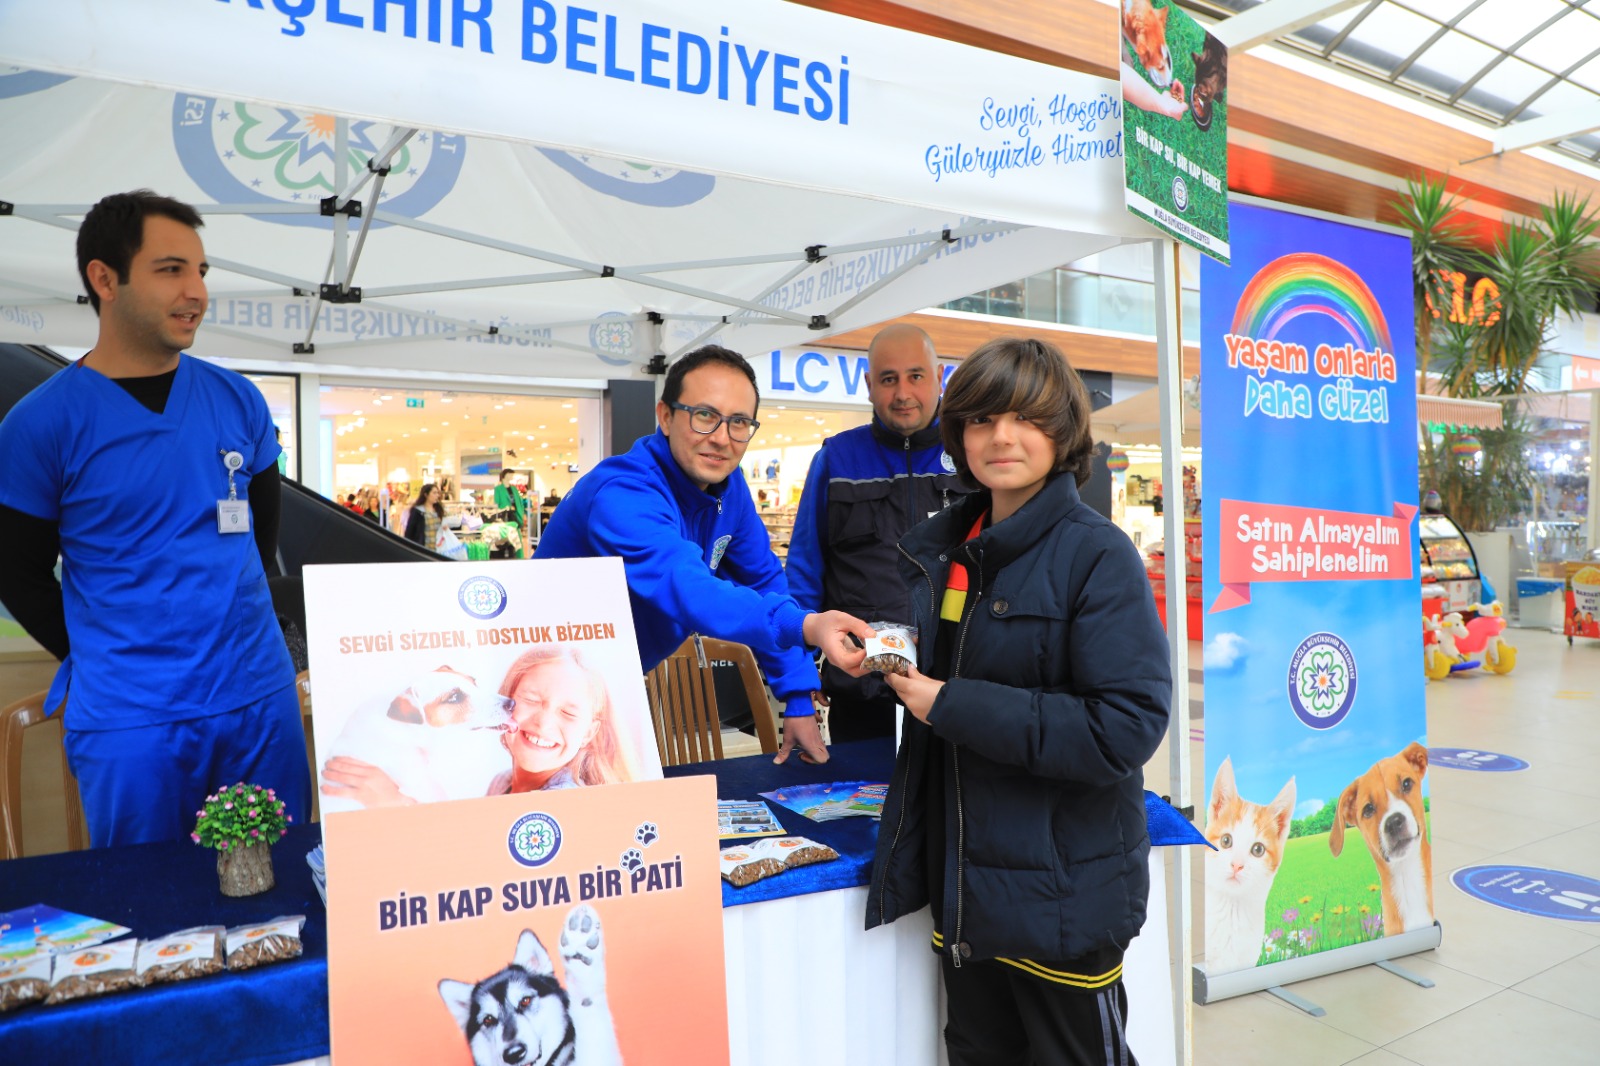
(1440, 245)
(1543, 271)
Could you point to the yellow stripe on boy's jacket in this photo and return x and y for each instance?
(955, 598)
(955, 588)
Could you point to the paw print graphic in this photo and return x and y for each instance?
(646, 833)
(632, 860)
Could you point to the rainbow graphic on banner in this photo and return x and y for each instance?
(1305, 283)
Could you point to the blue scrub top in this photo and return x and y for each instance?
(168, 618)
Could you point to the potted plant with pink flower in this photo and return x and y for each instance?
(242, 822)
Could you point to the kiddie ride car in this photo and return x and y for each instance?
(1456, 642)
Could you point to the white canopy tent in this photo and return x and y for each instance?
(1137, 420)
(560, 194)
(505, 222)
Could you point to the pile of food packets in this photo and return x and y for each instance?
(745, 864)
(132, 963)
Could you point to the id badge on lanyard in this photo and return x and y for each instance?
(233, 514)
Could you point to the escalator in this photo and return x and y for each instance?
(312, 529)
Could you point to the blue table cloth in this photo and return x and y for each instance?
(272, 1014)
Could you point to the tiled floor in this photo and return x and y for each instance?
(1508, 988)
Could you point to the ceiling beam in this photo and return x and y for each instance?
(1271, 20)
(1547, 129)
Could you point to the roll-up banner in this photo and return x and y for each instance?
(1316, 748)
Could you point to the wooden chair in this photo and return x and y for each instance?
(13, 720)
(755, 690)
(683, 701)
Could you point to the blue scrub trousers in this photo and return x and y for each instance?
(145, 784)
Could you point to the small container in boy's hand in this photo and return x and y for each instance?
(891, 648)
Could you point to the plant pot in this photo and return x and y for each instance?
(245, 871)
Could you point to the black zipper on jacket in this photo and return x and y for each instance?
(912, 518)
(955, 762)
(894, 841)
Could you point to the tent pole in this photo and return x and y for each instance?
(1169, 385)
(341, 177)
(361, 236)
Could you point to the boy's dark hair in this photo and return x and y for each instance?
(113, 232)
(710, 353)
(1032, 378)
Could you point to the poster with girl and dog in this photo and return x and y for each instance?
(509, 879)
(456, 681)
(1315, 729)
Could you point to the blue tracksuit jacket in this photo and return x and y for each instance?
(696, 561)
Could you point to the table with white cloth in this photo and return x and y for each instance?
(808, 983)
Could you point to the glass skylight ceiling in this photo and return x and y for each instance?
(1499, 61)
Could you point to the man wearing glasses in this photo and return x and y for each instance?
(677, 511)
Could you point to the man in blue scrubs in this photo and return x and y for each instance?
(154, 476)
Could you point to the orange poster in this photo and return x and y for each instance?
(449, 681)
(580, 926)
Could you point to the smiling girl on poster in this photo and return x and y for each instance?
(563, 731)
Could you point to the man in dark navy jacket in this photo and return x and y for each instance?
(677, 510)
(866, 488)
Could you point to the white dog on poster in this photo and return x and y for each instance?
(438, 738)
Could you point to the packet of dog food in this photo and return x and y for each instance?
(264, 942)
(798, 851)
(181, 955)
(890, 649)
(743, 865)
(94, 971)
(26, 981)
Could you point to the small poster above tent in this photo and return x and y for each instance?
(462, 680)
(1175, 124)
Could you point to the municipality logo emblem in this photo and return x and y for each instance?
(719, 549)
(240, 152)
(1322, 680)
(611, 337)
(1180, 193)
(482, 597)
(534, 839)
(948, 463)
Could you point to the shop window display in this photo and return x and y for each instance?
(390, 439)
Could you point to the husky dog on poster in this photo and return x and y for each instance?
(440, 682)
(554, 928)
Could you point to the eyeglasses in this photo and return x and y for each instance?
(704, 420)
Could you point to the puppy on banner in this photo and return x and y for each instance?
(1385, 805)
